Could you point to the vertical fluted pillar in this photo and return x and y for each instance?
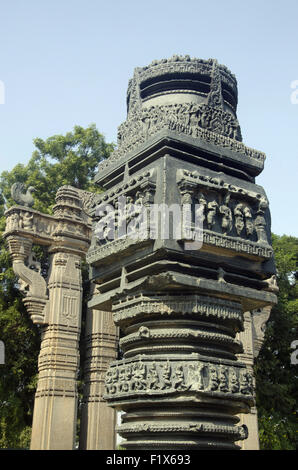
(56, 396)
(98, 420)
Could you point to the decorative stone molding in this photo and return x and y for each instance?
(160, 377)
(135, 307)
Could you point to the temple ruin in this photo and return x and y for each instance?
(181, 269)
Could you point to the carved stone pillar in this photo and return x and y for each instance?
(178, 303)
(98, 420)
(56, 306)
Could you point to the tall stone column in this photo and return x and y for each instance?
(180, 250)
(56, 397)
(98, 420)
(55, 304)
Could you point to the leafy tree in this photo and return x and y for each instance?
(71, 159)
(276, 376)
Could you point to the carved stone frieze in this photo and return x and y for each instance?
(185, 118)
(121, 217)
(165, 335)
(229, 211)
(134, 307)
(166, 377)
(204, 430)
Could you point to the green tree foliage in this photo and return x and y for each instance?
(71, 159)
(276, 376)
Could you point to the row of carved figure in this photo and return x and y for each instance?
(184, 118)
(121, 219)
(126, 219)
(153, 377)
(230, 214)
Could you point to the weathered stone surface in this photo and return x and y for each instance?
(98, 421)
(178, 303)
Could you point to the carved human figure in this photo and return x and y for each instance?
(205, 119)
(249, 226)
(227, 218)
(153, 378)
(193, 116)
(126, 378)
(234, 382)
(231, 127)
(179, 380)
(245, 382)
(211, 215)
(200, 369)
(14, 221)
(166, 375)
(213, 378)
(239, 218)
(216, 123)
(146, 122)
(122, 379)
(114, 380)
(105, 226)
(223, 379)
(137, 221)
(200, 209)
(260, 222)
(108, 381)
(139, 376)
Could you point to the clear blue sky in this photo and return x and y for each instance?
(68, 62)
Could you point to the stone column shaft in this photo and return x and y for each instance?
(98, 420)
(55, 304)
(56, 399)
